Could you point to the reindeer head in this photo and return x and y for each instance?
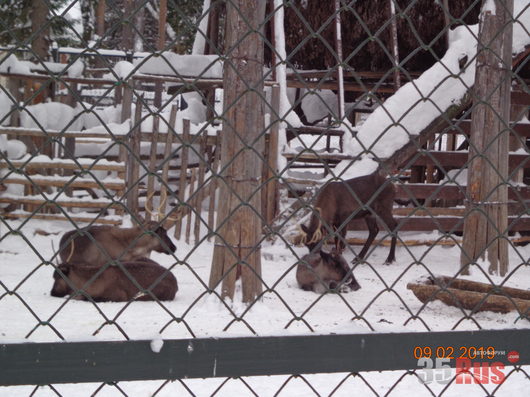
(164, 243)
(60, 285)
(336, 260)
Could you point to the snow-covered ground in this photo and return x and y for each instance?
(383, 301)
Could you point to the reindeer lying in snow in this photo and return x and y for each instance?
(370, 197)
(321, 271)
(98, 245)
(114, 283)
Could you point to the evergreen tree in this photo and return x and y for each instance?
(22, 22)
(182, 20)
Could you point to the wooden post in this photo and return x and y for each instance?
(272, 181)
(486, 223)
(191, 202)
(211, 46)
(447, 21)
(168, 153)
(183, 175)
(127, 35)
(517, 112)
(161, 44)
(149, 200)
(162, 25)
(100, 28)
(237, 245)
(395, 44)
(338, 49)
(132, 161)
(213, 183)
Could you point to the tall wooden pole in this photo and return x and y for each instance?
(340, 70)
(100, 29)
(100, 18)
(127, 36)
(161, 44)
(395, 44)
(237, 246)
(162, 25)
(485, 227)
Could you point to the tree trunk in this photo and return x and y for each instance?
(100, 18)
(237, 245)
(40, 30)
(127, 36)
(486, 223)
(88, 17)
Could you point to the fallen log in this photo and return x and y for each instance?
(472, 295)
(468, 285)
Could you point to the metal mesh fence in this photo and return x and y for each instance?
(179, 171)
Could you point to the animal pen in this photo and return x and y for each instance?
(226, 144)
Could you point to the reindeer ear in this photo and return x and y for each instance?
(151, 225)
(304, 228)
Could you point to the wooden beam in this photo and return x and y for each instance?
(433, 191)
(460, 158)
(72, 203)
(443, 224)
(56, 217)
(58, 181)
(464, 127)
(62, 164)
(348, 86)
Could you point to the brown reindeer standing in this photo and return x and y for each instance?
(320, 272)
(115, 283)
(98, 245)
(370, 197)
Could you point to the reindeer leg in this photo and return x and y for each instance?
(391, 223)
(373, 229)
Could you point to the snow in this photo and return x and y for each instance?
(521, 26)
(44, 116)
(489, 7)
(122, 70)
(5, 107)
(76, 69)
(171, 64)
(11, 64)
(12, 149)
(15, 149)
(156, 345)
(21, 268)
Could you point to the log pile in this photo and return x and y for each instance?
(472, 295)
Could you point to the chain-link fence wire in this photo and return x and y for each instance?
(383, 301)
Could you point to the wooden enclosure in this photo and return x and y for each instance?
(167, 165)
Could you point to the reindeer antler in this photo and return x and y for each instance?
(160, 215)
(150, 198)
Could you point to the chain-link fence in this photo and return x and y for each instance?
(197, 194)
